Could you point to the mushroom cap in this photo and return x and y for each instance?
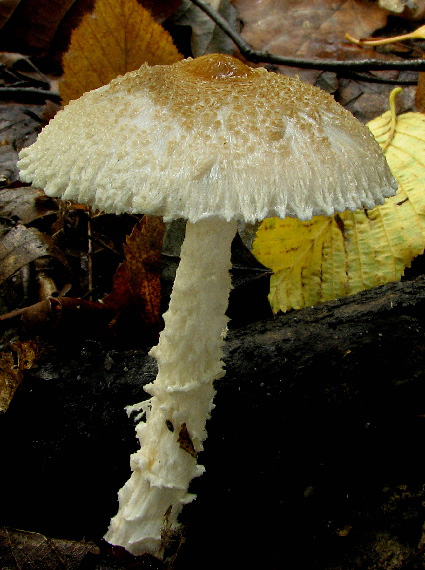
(209, 137)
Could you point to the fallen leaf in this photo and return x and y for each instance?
(412, 10)
(45, 26)
(207, 37)
(420, 93)
(118, 36)
(13, 363)
(161, 10)
(32, 25)
(25, 204)
(7, 8)
(329, 257)
(300, 28)
(137, 282)
(67, 316)
(9, 379)
(23, 550)
(17, 128)
(21, 246)
(370, 100)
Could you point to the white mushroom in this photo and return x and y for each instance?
(213, 141)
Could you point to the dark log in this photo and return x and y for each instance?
(314, 455)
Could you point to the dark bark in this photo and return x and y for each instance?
(314, 455)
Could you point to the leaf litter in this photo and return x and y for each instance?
(38, 228)
(126, 287)
(315, 29)
(21, 550)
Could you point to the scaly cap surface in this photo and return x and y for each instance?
(209, 137)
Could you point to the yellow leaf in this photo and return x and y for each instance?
(329, 257)
(118, 36)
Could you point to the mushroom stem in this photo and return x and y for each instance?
(189, 356)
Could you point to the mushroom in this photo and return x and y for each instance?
(213, 141)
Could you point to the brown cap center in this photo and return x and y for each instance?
(217, 66)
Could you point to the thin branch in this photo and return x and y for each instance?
(370, 78)
(257, 56)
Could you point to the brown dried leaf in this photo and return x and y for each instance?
(7, 8)
(420, 93)
(137, 281)
(121, 297)
(10, 378)
(12, 366)
(143, 256)
(300, 28)
(65, 315)
(161, 10)
(61, 312)
(19, 126)
(118, 36)
(20, 246)
(21, 550)
(207, 37)
(25, 203)
(31, 26)
(409, 9)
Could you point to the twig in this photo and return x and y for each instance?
(371, 78)
(257, 56)
(97, 240)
